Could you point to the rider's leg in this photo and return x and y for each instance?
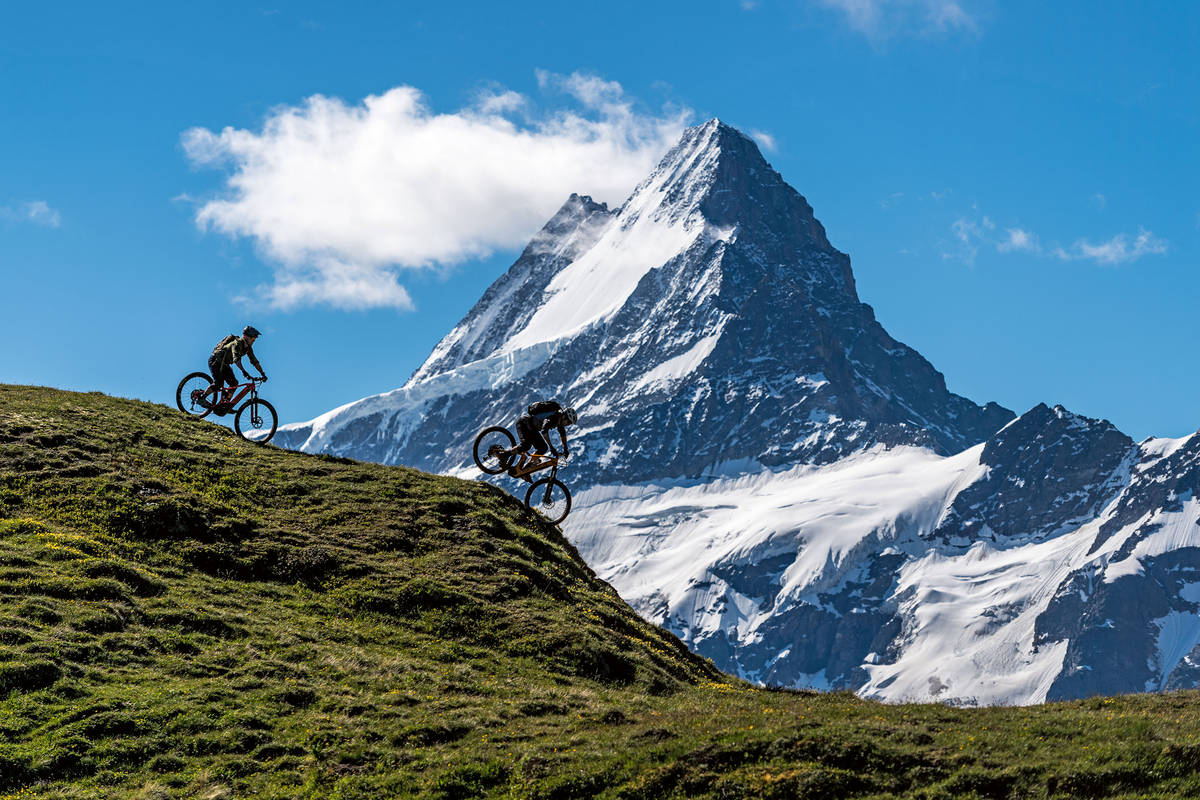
(528, 436)
(227, 377)
(536, 457)
(217, 369)
(539, 446)
(521, 451)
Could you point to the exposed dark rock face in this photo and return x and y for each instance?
(1048, 471)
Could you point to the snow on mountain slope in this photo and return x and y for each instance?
(517, 295)
(651, 229)
(817, 515)
(850, 562)
(407, 405)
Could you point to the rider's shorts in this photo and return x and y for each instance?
(527, 430)
(222, 373)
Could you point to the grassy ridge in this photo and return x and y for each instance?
(185, 614)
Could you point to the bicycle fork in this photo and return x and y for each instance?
(550, 485)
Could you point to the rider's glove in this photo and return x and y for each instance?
(263, 379)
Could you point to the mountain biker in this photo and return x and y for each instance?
(229, 351)
(539, 417)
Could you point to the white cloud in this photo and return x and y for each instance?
(37, 212)
(763, 138)
(500, 102)
(342, 198)
(972, 234)
(1117, 250)
(885, 18)
(1019, 239)
(328, 281)
(969, 234)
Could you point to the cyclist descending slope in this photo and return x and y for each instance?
(496, 450)
(230, 351)
(540, 417)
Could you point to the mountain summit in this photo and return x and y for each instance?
(707, 320)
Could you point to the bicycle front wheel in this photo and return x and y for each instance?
(256, 421)
(489, 447)
(551, 497)
(195, 394)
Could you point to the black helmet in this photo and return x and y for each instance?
(250, 330)
(570, 416)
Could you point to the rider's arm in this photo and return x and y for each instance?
(254, 361)
(562, 431)
(238, 361)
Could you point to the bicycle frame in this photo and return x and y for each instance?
(542, 463)
(251, 388)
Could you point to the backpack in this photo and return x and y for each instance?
(221, 346)
(543, 409)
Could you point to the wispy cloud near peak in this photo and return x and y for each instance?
(1019, 239)
(1117, 250)
(36, 212)
(972, 234)
(764, 139)
(881, 19)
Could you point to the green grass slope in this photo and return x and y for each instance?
(184, 614)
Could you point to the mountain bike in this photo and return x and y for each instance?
(255, 420)
(494, 454)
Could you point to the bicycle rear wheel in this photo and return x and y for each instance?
(551, 497)
(256, 421)
(195, 394)
(488, 447)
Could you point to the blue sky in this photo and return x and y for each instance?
(1016, 183)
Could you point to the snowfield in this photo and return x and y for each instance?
(969, 614)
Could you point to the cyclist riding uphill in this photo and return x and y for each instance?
(229, 351)
(539, 417)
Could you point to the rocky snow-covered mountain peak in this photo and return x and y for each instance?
(586, 261)
(706, 321)
(704, 191)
